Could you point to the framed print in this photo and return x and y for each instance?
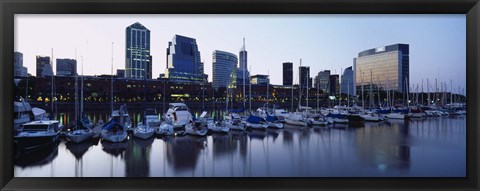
(189, 95)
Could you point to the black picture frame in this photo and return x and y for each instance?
(10, 7)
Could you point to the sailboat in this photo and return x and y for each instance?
(297, 118)
(369, 115)
(143, 129)
(115, 130)
(83, 127)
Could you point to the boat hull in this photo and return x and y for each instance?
(296, 123)
(31, 141)
(258, 126)
(114, 137)
(78, 136)
(142, 133)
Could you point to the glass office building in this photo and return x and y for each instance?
(66, 67)
(304, 78)
(334, 84)
(287, 73)
(183, 61)
(260, 79)
(322, 81)
(347, 84)
(19, 69)
(385, 67)
(138, 60)
(44, 67)
(242, 70)
(224, 63)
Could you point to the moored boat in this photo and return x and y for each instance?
(356, 121)
(179, 115)
(37, 134)
(143, 131)
(296, 119)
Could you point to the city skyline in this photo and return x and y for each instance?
(323, 42)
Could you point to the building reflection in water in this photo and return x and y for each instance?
(427, 147)
(137, 157)
(183, 152)
(384, 146)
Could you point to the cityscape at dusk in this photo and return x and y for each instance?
(323, 42)
(240, 96)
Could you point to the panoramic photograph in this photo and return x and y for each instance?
(297, 95)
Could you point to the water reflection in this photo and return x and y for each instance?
(137, 157)
(183, 152)
(115, 149)
(38, 157)
(425, 147)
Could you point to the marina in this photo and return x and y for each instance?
(429, 146)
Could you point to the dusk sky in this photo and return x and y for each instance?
(323, 42)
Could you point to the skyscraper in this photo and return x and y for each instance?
(260, 79)
(304, 76)
(138, 60)
(334, 84)
(347, 84)
(183, 60)
(20, 70)
(323, 81)
(384, 67)
(66, 67)
(224, 63)
(44, 68)
(287, 73)
(242, 70)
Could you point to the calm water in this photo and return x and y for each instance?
(425, 147)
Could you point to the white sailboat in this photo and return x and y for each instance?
(83, 127)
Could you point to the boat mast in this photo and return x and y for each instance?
(422, 93)
(307, 78)
(348, 94)
(243, 68)
(76, 87)
(292, 96)
(268, 84)
(339, 91)
(408, 99)
(318, 84)
(371, 104)
(81, 91)
(428, 93)
(363, 103)
(451, 91)
(111, 83)
(250, 90)
(52, 81)
(300, 85)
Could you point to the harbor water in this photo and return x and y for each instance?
(428, 147)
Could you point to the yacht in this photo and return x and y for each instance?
(37, 134)
(179, 115)
(152, 118)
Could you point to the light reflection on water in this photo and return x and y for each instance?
(426, 147)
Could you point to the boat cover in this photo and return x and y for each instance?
(271, 118)
(339, 116)
(254, 119)
(111, 124)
